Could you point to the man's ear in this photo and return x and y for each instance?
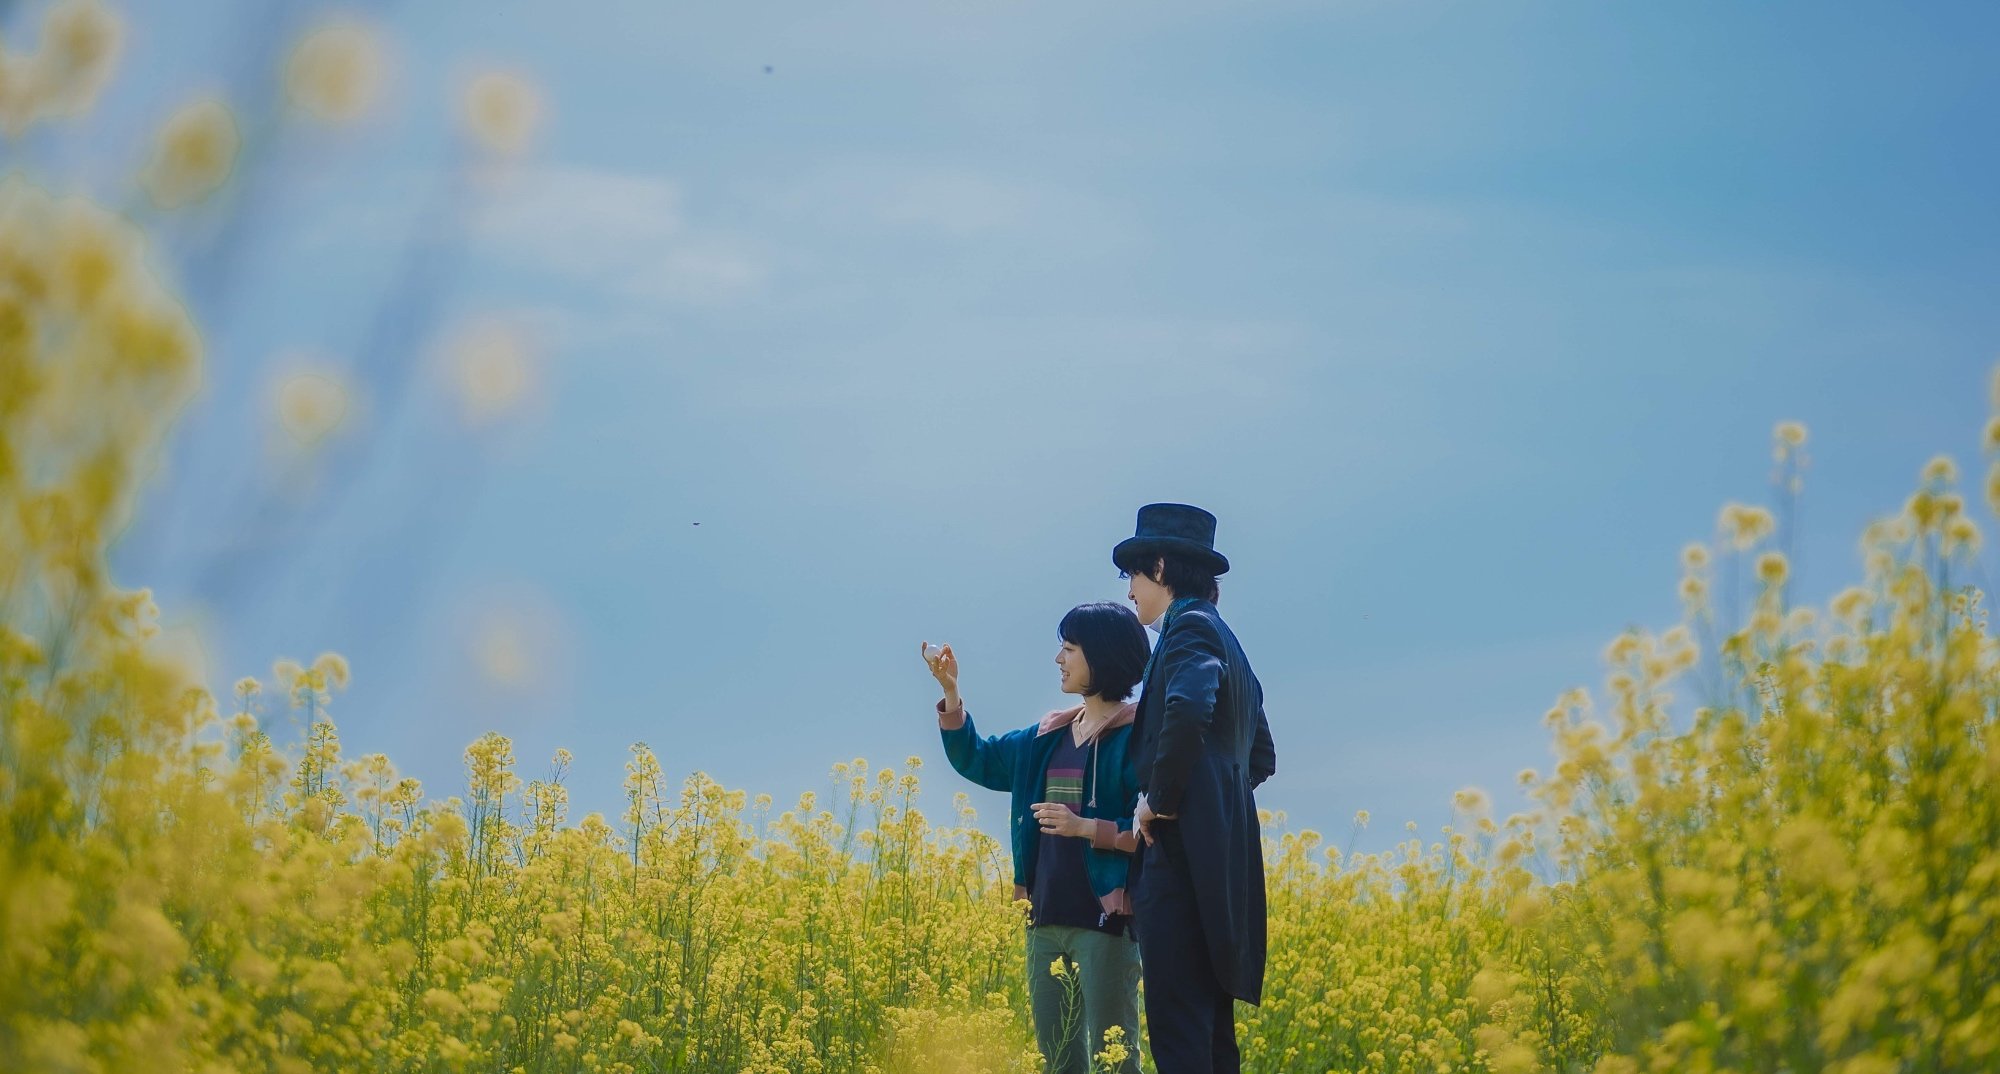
(1158, 570)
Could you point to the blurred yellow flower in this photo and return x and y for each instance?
(87, 261)
(17, 93)
(193, 155)
(78, 53)
(1852, 603)
(503, 651)
(184, 648)
(333, 668)
(285, 673)
(1773, 568)
(311, 404)
(335, 74)
(502, 111)
(1941, 470)
(1962, 536)
(492, 370)
(1743, 525)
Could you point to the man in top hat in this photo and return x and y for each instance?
(1200, 747)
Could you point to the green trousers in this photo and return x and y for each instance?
(1104, 983)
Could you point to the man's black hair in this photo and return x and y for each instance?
(1185, 577)
(1113, 644)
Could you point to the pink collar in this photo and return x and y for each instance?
(1062, 718)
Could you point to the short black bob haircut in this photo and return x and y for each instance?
(1113, 644)
(1186, 577)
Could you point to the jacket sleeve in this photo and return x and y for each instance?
(1191, 663)
(1114, 835)
(988, 762)
(1263, 753)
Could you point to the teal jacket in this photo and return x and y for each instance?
(1018, 762)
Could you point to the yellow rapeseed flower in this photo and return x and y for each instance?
(1962, 536)
(80, 44)
(311, 404)
(1743, 525)
(1941, 470)
(335, 73)
(286, 673)
(1773, 568)
(493, 370)
(502, 111)
(1693, 590)
(194, 153)
(503, 651)
(333, 667)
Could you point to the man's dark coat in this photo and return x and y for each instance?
(1200, 745)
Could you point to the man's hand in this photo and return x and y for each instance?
(1061, 820)
(1143, 818)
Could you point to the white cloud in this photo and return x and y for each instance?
(704, 270)
(955, 203)
(581, 219)
(621, 234)
(927, 199)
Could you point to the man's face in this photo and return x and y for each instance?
(1150, 598)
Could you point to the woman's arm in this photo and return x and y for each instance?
(988, 762)
(1103, 834)
(1117, 835)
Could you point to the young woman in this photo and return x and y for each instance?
(1071, 819)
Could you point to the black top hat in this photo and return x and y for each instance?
(1171, 527)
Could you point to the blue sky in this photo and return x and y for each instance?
(1463, 317)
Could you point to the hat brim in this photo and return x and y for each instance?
(1133, 549)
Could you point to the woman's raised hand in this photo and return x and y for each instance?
(944, 668)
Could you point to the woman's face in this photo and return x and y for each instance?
(1075, 669)
(1150, 598)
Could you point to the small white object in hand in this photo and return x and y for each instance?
(933, 652)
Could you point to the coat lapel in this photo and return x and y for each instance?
(1145, 729)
